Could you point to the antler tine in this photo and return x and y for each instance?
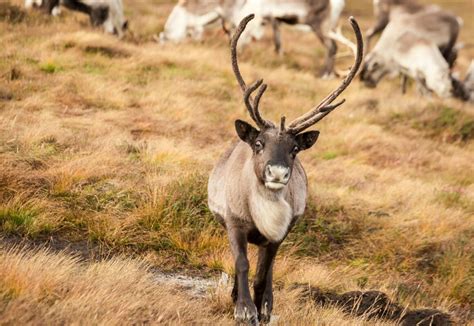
(252, 108)
(325, 107)
(254, 114)
(259, 120)
(317, 117)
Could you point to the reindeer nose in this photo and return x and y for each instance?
(277, 173)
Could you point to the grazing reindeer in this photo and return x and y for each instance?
(106, 13)
(258, 188)
(322, 16)
(189, 17)
(410, 45)
(445, 35)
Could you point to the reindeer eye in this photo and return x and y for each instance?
(294, 151)
(258, 146)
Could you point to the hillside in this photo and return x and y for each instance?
(105, 150)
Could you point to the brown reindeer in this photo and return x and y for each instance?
(258, 188)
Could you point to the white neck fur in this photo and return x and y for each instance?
(270, 212)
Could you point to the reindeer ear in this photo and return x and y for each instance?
(307, 139)
(246, 131)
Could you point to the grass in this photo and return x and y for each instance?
(439, 122)
(106, 146)
(50, 67)
(16, 220)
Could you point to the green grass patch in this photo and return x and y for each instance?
(172, 70)
(17, 220)
(94, 68)
(329, 155)
(50, 67)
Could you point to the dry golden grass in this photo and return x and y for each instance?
(105, 145)
(39, 287)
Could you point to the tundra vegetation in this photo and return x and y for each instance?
(106, 146)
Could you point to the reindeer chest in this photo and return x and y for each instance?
(272, 217)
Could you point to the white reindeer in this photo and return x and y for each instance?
(410, 45)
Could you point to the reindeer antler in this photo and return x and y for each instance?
(252, 105)
(326, 106)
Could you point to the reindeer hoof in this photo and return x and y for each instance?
(266, 313)
(246, 313)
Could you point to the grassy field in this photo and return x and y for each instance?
(106, 146)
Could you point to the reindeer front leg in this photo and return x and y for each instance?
(245, 310)
(262, 286)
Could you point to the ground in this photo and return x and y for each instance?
(105, 150)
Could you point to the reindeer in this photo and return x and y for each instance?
(258, 188)
(410, 45)
(445, 36)
(322, 16)
(106, 13)
(189, 17)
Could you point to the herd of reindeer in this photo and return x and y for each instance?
(417, 41)
(258, 188)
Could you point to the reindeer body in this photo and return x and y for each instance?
(435, 24)
(235, 193)
(416, 45)
(258, 188)
(387, 10)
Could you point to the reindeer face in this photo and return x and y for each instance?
(274, 152)
(373, 71)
